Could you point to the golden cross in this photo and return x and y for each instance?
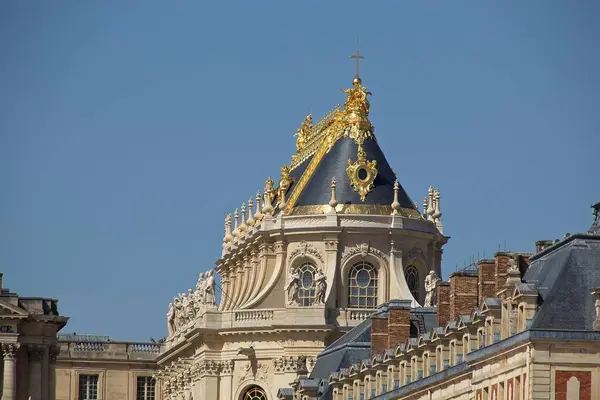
(358, 57)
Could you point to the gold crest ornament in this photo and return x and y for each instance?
(362, 173)
(304, 133)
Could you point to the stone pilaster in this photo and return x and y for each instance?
(9, 351)
(53, 352)
(36, 355)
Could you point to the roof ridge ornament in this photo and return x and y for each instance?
(595, 228)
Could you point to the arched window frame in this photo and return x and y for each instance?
(383, 272)
(359, 295)
(306, 291)
(411, 271)
(254, 392)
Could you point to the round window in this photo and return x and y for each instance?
(307, 279)
(362, 174)
(363, 278)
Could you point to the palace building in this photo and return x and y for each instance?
(330, 289)
(303, 263)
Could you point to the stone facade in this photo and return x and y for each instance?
(119, 370)
(28, 344)
(537, 337)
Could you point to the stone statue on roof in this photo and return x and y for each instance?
(431, 281)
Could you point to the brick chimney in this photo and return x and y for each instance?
(390, 325)
(486, 281)
(398, 322)
(501, 263)
(463, 293)
(442, 296)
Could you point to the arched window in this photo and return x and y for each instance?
(362, 286)
(254, 392)
(412, 279)
(306, 291)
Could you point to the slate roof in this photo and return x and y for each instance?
(334, 164)
(564, 275)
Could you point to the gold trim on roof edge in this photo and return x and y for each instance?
(353, 121)
(366, 209)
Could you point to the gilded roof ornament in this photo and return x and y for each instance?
(304, 133)
(362, 173)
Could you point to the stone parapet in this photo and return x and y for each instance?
(109, 350)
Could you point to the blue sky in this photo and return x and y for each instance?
(128, 130)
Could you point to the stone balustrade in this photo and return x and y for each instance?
(254, 315)
(72, 350)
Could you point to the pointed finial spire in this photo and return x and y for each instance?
(251, 220)
(228, 236)
(267, 207)
(236, 217)
(333, 202)
(243, 226)
(357, 57)
(437, 214)
(425, 207)
(258, 216)
(395, 203)
(430, 209)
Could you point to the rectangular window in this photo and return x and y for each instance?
(146, 386)
(88, 387)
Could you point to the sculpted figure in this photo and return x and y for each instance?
(171, 320)
(431, 281)
(190, 310)
(512, 266)
(209, 289)
(320, 288)
(200, 285)
(293, 286)
(179, 321)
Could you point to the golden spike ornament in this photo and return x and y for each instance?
(362, 173)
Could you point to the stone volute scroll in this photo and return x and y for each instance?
(431, 281)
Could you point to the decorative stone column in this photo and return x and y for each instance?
(9, 351)
(53, 352)
(36, 355)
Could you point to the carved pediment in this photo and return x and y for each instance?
(364, 249)
(10, 311)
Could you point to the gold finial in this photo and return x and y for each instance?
(304, 133)
(358, 57)
(243, 226)
(236, 217)
(251, 220)
(395, 203)
(333, 202)
(258, 216)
